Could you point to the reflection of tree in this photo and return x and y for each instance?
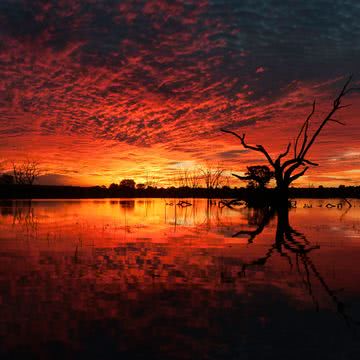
(127, 204)
(260, 218)
(295, 247)
(187, 212)
(24, 216)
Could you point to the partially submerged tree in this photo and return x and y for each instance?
(26, 173)
(257, 176)
(286, 170)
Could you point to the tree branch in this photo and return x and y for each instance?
(258, 148)
(241, 177)
(336, 106)
(310, 162)
(296, 176)
(348, 91)
(337, 121)
(304, 129)
(285, 152)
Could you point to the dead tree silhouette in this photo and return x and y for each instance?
(24, 216)
(26, 173)
(285, 169)
(212, 176)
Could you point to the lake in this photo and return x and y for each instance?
(146, 278)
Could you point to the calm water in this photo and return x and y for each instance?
(149, 279)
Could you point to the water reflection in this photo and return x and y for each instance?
(295, 247)
(145, 276)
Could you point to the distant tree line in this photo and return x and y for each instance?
(253, 196)
(206, 182)
(206, 177)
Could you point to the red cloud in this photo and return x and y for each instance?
(86, 101)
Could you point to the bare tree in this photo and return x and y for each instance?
(194, 178)
(181, 178)
(213, 176)
(188, 178)
(287, 170)
(26, 173)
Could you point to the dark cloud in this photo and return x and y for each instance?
(231, 154)
(55, 179)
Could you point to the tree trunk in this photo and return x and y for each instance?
(281, 193)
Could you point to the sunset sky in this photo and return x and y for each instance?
(101, 90)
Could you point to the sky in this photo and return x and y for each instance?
(100, 90)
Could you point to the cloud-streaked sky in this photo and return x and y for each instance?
(99, 90)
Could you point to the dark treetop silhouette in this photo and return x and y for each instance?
(285, 172)
(257, 176)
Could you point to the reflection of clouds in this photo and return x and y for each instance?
(96, 260)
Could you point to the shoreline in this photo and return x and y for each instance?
(17, 192)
